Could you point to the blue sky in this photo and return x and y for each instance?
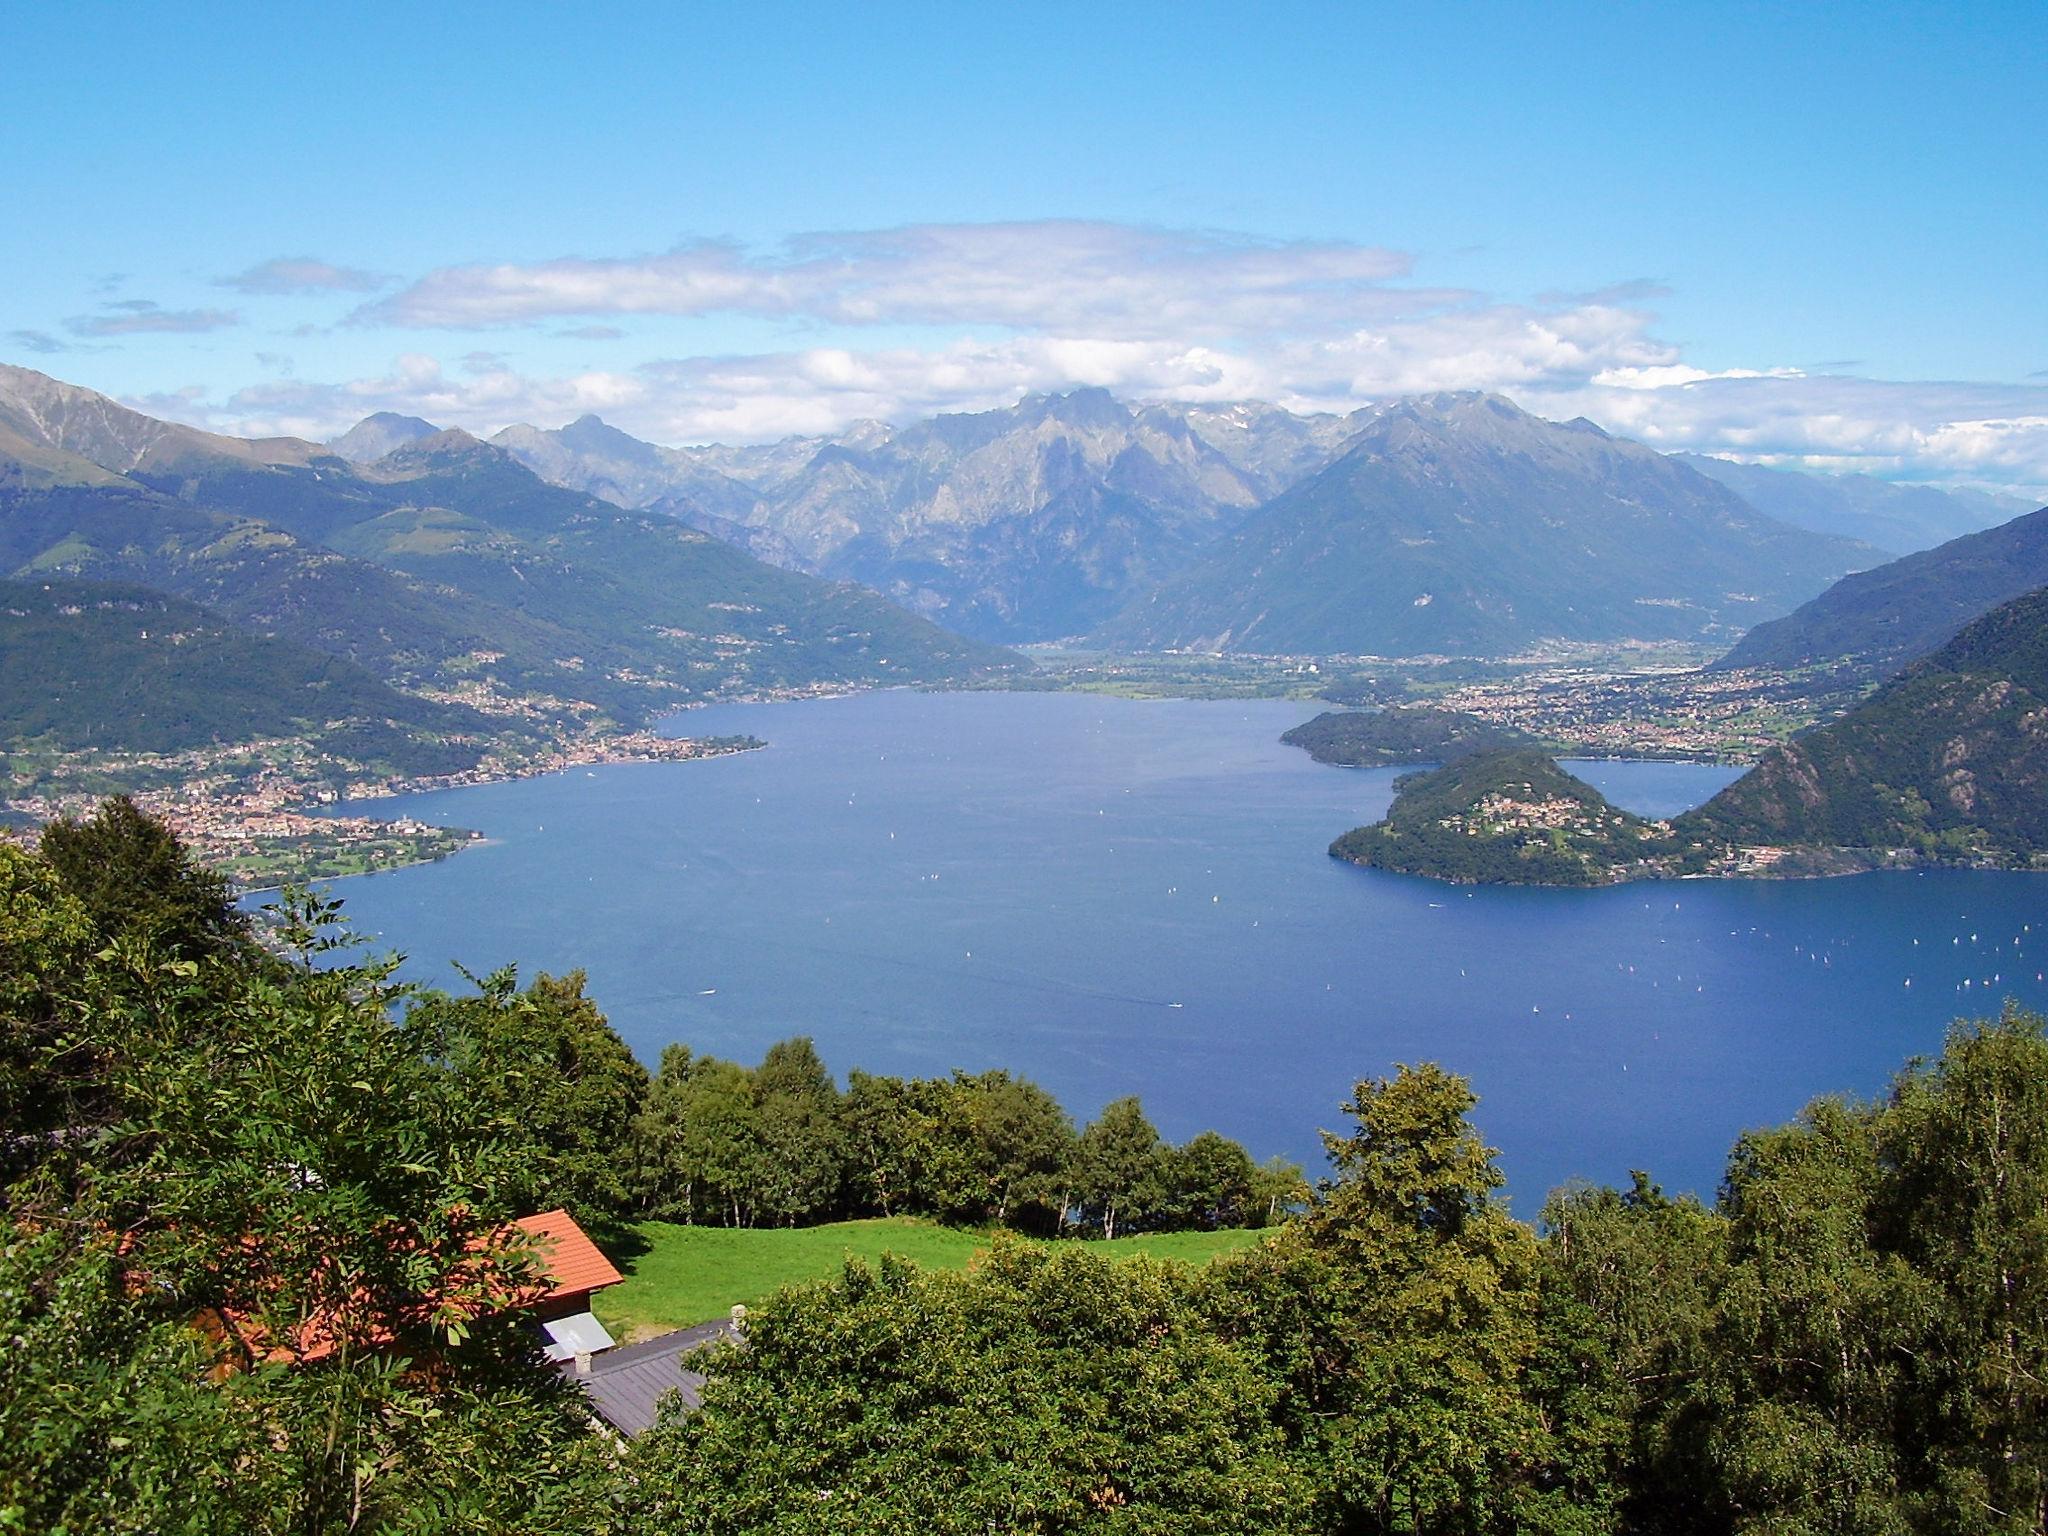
(740, 222)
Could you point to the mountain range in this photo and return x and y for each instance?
(1897, 519)
(1462, 525)
(1075, 515)
(1033, 522)
(443, 565)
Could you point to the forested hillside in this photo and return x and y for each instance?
(112, 666)
(1950, 758)
(445, 564)
(210, 1140)
(1406, 734)
(1878, 620)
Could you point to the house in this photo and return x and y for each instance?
(569, 1271)
(575, 1271)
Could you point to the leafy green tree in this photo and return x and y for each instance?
(1963, 1203)
(1399, 1316)
(50, 1067)
(1049, 1390)
(553, 1074)
(1211, 1182)
(1120, 1167)
(1623, 1377)
(1278, 1187)
(133, 877)
(1016, 1144)
(703, 1123)
(799, 1169)
(890, 1125)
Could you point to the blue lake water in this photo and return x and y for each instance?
(1120, 897)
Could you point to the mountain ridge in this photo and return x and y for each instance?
(1460, 524)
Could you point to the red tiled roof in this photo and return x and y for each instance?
(570, 1261)
(571, 1258)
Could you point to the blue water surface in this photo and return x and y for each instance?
(1119, 897)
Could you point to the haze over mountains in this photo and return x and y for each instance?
(1898, 519)
(1029, 523)
(574, 565)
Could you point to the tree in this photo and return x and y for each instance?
(133, 877)
(1211, 1182)
(1119, 1167)
(1624, 1373)
(889, 1124)
(285, 1175)
(798, 1170)
(1399, 1314)
(51, 1068)
(550, 1070)
(1048, 1390)
(1016, 1144)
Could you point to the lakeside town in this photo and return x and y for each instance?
(257, 811)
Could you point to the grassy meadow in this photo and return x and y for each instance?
(686, 1275)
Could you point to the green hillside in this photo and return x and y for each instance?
(122, 667)
(1509, 817)
(1949, 759)
(446, 563)
(1383, 737)
(1877, 621)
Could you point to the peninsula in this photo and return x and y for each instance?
(1945, 764)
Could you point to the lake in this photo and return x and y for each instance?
(1116, 897)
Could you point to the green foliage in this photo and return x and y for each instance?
(272, 1205)
(50, 1072)
(1050, 1390)
(1413, 734)
(780, 1145)
(124, 667)
(1508, 817)
(135, 880)
(546, 1068)
(1949, 760)
(1120, 1168)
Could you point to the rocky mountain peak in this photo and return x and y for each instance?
(378, 434)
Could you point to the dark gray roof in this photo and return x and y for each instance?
(626, 1385)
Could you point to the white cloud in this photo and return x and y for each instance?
(1149, 313)
(133, 317)
(1050, 275)
(302, 274)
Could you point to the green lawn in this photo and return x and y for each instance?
(694, 1274)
